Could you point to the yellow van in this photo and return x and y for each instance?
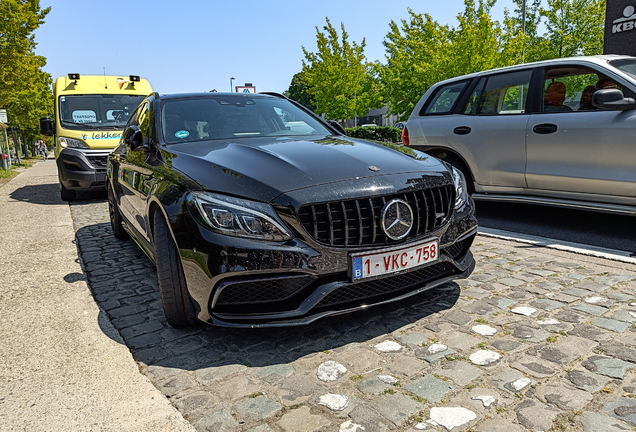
(90, 114)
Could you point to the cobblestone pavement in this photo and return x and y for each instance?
(535, 340)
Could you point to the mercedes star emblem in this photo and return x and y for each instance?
(397, 219)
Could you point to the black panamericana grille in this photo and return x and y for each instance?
(381, 287)
(357, 222)
(262, 291)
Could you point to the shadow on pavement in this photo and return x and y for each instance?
(571, 225)
(44, 194)
(124, 283)
(49, 194)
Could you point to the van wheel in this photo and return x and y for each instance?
(175, 299)
(66, 194)
(115, 216)
(460, 165)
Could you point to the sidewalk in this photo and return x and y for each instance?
(61, 367)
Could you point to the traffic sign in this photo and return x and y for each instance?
(3, 116)
(245, 89)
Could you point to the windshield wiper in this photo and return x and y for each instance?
(84, 125)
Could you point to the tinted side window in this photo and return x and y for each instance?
(443, 100)
(144, 121)
(505, 94)
(133, 120)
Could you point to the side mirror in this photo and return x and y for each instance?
(337, 126)
(612, 99)
(134, 138)
(47, 127)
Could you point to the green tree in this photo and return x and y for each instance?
(24, 87)
(417, 54)
(477, 43)
(528, 45)
(299, 91)
(337, 73)
(574, 27)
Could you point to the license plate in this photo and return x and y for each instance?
(391, 261)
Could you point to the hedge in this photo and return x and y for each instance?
(379, 133)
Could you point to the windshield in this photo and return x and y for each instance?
(97, 111)
(626, 65)
(235, 116)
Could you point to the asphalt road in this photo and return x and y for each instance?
(587, 228)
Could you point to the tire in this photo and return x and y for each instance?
(115, 216)
(67, 194)
(175, 299)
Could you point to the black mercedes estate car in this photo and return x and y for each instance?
(259, 213)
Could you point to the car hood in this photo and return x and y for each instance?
(263, 168)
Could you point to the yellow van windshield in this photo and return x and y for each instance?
(93, 111)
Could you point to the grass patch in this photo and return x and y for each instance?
(417, 418)
(356, 377)
(552, 339)
(389, 391)
(8, 174)
(255, 395)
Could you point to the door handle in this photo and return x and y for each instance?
(545, 128)
(462, 130)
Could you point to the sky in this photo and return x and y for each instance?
(192, 46)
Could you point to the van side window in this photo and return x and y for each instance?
(443, 100)
(571, 88)
(475, 97)
(505, 94)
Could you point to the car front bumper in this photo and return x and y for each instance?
(80, 169)
(237, 282)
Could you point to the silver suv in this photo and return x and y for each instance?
(558, 132)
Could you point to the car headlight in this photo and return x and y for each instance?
(461, 191)
(239, 217)
(72, 143)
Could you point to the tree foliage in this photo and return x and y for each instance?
(421, 52)
(24, 87)
(574, 27)
(338, 76)
(299, 91)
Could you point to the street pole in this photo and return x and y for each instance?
(16, 144)
(231, 79)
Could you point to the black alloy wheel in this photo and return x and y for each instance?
(115, 216)
(174, 294)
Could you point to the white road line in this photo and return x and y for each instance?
(612, 254)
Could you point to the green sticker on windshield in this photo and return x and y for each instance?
(182, 134)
